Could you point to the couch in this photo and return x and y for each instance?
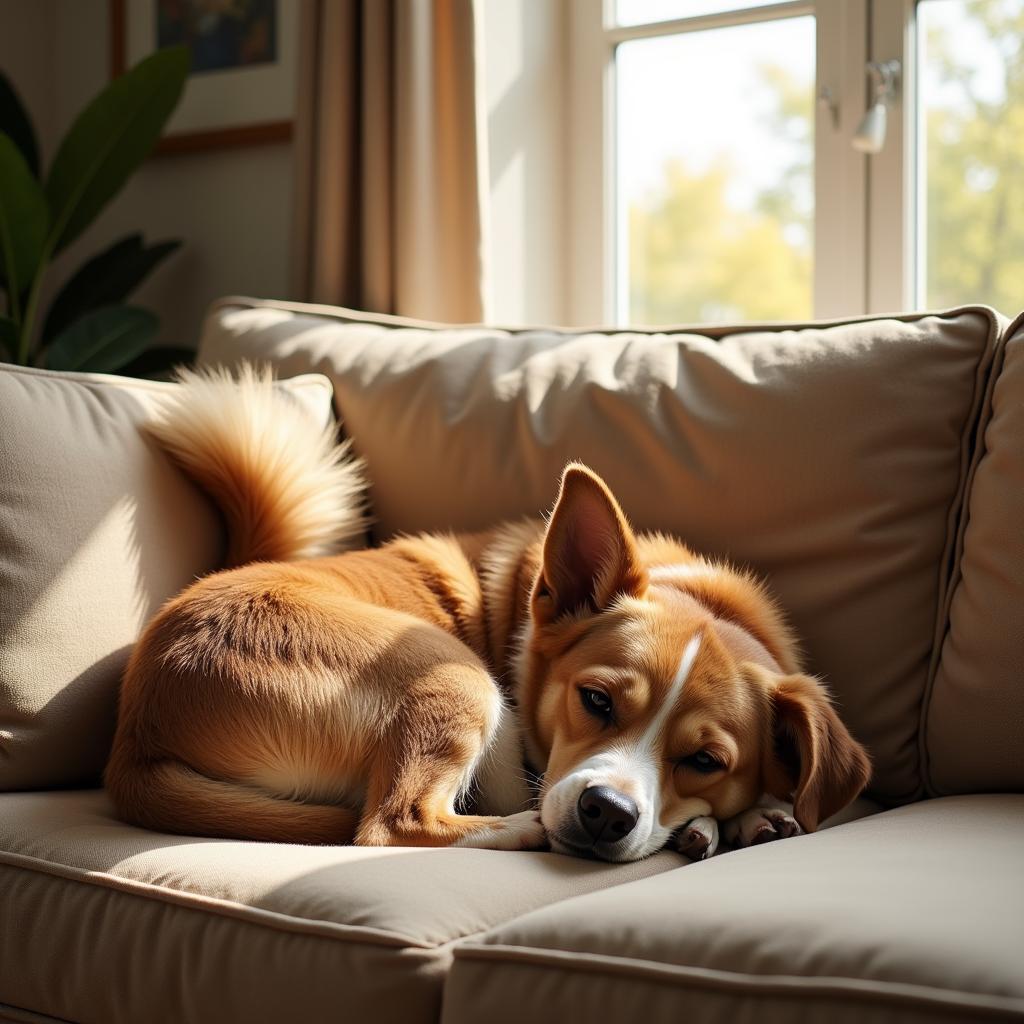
(872, 469)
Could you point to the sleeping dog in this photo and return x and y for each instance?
(409, 695)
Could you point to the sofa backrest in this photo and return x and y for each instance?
(831, 458)
(97, 530)
(973, 740)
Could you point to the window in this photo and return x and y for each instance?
(729, 187)
(970, 131)
(639, 12)
(714, 173)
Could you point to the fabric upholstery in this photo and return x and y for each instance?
(103, 923)
(974, 729)
(832, 458)
(912, 915)
(97, 530)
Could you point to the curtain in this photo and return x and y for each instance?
(391, 164)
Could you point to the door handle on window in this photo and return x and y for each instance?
(827, 99)
(870, 134)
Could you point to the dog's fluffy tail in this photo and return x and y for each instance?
(287, 489)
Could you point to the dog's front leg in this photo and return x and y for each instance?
(697, 839)
(448, 724)
(771, 819)
(428, 820)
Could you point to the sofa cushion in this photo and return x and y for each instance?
(97, 530)
(911, 915)
(100, 921)
(830, 458)
(974, 728)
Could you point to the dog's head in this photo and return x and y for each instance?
(648, 710)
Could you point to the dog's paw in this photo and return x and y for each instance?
(761, 825)
(522, 831)
(697, 839)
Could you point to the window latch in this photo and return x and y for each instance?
(870, 134)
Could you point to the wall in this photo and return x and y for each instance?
(26, 56)
(232, 208)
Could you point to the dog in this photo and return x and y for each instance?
(566, 683)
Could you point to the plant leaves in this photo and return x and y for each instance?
(105, 280)
(159, 361)
(8, 339)
(17, 125)
(23, 218)
(110, 138)
(103, 340)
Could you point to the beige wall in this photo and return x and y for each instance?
(26, 56)
(232, 208)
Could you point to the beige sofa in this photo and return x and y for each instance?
(873, 469)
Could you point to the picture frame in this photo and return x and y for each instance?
(243, 86)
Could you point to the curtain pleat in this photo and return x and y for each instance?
(391, 158)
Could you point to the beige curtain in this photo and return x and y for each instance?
(391, 158)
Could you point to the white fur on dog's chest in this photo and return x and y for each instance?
(500, 777)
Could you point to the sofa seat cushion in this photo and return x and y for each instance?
(912, 915)
(102, 922)
(831, 458)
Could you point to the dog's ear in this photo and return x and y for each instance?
(590, 555)
(812, 758)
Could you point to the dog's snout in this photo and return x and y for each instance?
(606, 814)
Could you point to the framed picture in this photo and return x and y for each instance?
(241, 89)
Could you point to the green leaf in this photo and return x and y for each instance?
(8, 339)
(17, 126)
(103, 340)
(105, 280)
(23, 219)
(158, 362)
(110, 138)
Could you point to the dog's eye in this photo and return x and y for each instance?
(597, 703)
(702, 761)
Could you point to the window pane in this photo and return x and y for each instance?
(715, 195)
(642, 12)
(971, 105)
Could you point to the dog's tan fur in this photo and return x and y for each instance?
(357, 697)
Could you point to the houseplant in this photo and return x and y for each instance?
(88, 325)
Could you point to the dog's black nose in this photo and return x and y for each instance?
(606, 814)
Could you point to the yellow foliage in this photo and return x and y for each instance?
(694, 258)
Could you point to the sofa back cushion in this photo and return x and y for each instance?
(974, 736)
(97, 530)
(830, 458)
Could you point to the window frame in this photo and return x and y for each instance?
(895, 273)
(865, 225)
